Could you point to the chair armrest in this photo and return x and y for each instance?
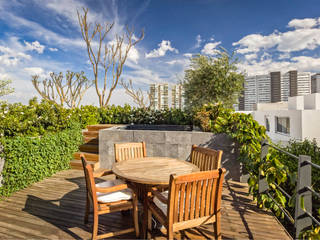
(102, 172)
(111, 189)
(158, 194)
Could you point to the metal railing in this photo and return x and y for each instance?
(303, 218)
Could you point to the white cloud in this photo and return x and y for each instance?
(53, 49)
(251, 56)
(11, 57)
(36, 46)
(181, 61)
(301, 63)
(296, 40)
(164, 46)
(198, 41)
(34, 70)
(210, 48)
(188, 55)
(303, 23)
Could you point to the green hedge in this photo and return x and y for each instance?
(28, 160)
(37, 119)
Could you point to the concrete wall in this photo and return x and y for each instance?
(176, 144)
(312, 101)
(296, 103)
(271, 106)
(310, 125)
(295, 124)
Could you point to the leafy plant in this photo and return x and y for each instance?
(212, 80)
(30, 159)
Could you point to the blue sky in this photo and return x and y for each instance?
(38, 37)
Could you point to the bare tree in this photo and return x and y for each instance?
(136, 94)
(69, 91)
(5, 88)
(110, 56)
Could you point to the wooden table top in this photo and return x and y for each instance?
(152, 170)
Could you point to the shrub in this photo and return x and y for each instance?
(30, 159)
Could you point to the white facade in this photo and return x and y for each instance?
(300, 118)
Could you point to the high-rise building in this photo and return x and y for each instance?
(256, 90)
(177, 100)
(159, 96)
(263, 88)
(299, 83)
(315, 83)
(250, 93)
(274, 87)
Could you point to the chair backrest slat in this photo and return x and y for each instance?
(193, 199)
(131, 150)
(181, 201)
(175, 203)
(187, 201)
(205, 158)
(208, 197)
(195, 195)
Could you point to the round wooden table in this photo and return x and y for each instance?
(152, 170)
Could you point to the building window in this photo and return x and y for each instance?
(267, 124)
(283, 125)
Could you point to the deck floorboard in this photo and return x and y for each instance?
(54, 208)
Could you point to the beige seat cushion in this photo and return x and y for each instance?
(125, 194)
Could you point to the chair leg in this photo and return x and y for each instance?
(217, 226)
(86, 215)
(135, 214)
(170, 232)
(95, 225)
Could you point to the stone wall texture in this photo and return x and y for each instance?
(175, 144)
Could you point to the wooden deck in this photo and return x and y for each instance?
(54, 209)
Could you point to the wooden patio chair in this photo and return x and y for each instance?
(106, 197)
(192, 200)
(205, 159)
(130, 150)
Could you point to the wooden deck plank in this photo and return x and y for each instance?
(32, 214)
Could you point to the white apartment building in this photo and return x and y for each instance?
(274, 87)
(263, 88)
(159, 96)
(296, 119)
(177, 100)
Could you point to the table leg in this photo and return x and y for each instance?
(145, 210)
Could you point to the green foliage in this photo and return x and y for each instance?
(30, 159)
(212, 80)
(248, 134)
(36, 118)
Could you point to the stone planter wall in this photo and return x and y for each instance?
(176, 144)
